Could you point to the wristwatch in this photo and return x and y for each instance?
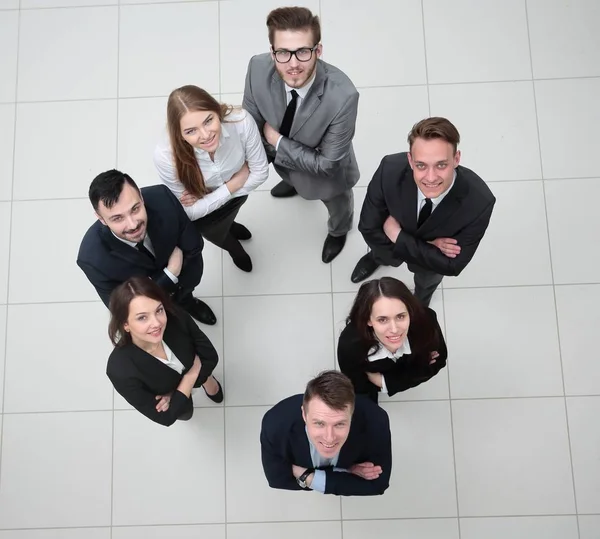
(302, 479)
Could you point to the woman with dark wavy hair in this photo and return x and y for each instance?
(211, 158)
(391, 342)
(160, 353)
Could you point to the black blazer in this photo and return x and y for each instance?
(139, 376)
(408, 371)
(284, 442)
(108, 262)
(463, 214)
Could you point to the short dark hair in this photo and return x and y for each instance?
(333, 388)
(435, 127)
(120, 300)
(107, 187)
(424, 337)
(293, 18)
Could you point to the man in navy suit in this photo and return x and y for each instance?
(327, 440)
(142, 232)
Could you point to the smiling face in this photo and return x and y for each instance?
(146, 322)
(433, 162)
(127, 217)
(201, 129)
(295, 73)
(390, 322)
(327, 428)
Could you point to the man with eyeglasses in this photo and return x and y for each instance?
(306, 110)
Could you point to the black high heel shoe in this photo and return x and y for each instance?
(218, 396)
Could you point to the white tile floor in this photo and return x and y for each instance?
(503, 443)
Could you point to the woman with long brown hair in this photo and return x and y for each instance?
(391, 342)
(160, 353)
(211, 158)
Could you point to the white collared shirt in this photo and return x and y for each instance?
(148, 245)
(435, 201)
(381, 352)
(172, 360)
(302, 93)
(240, 142)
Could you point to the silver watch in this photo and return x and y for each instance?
(302, 479)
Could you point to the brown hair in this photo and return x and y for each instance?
(293, 18)
(423, 334)
(190, 99)
(121, 298)
(333, 388)
(435, 127)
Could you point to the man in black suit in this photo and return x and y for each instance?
(327, 440)
(424, 209)
(142, 233)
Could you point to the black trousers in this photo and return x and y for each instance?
(426, 281)
(215, 226)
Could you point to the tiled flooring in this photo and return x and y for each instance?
(503, 443)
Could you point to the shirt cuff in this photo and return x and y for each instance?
(383, 388)
(278, 141)
(318, 482)
(171, 276)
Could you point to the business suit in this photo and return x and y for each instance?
(139, 377)
(408, 371)
(284, 442)
(317, 158)
(108, 262)
(463, 214)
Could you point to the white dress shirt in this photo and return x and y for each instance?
(171, 360)
(434, 201)
(302, 92)
(240, 142)
(148, 245)
(381, 352)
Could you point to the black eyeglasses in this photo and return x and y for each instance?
(303, 55)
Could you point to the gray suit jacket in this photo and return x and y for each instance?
(317, 158)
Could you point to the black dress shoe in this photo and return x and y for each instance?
(240, 232)
(283, 190)
(218, 396)
(201, 312)
(365, 267)
(242, 260)
(332, 247)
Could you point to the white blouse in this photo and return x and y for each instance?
(240, 142)
(172, 360)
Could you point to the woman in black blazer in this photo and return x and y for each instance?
(160, 353)
(391, 342)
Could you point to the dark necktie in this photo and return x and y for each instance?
(143, 249)
(288, 117)
(425, 212)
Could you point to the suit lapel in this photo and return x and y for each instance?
(311, 101)
(156, 228)
(350, 451)
(124, 251)
(300, 444)
(408, 202)
(152, 368)
(179, 341)
(278, 97)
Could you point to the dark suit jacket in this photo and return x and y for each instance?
(318, 157)
(139, 376)
(284, 442)
(463, 214)
(408, 371)
(108, 262)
